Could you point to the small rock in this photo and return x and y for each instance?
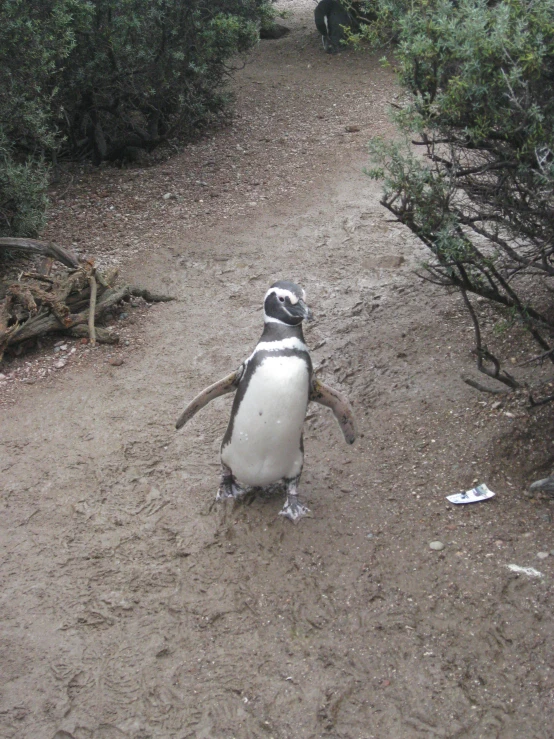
(2, 376)
(123, 316)
(127, 342)
(542, 555)
(84, 341)
(60, 364)
(436, 545)
(352, 129)
(167, 196)
(116, 362)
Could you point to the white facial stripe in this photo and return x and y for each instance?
(283, 294)
(291, 342)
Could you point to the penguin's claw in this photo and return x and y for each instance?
(294, 509)
(230, 490)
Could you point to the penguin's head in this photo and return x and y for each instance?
(284, 303)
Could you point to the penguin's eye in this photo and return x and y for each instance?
(281, 299)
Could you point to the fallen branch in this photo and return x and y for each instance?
(543, 401)
(91, 330)
(70, 302)
(483, 388)
(32, 246)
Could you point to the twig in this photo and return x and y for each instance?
(482, 388)
(91, 328)
(539, 358)
(534, 403)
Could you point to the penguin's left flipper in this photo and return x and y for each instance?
(226, 385)
(325, 395)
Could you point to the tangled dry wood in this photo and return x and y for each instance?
(71, 301)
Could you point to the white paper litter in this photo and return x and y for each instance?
(475, 495)
(529, 571)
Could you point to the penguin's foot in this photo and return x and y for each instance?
(230, 489)
(294, 509)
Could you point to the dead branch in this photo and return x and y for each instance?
(70, 302)
(543, 401)
(539, 358)
(92, 308)
(33, 246)
(482, 388)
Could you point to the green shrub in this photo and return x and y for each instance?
(100, 78)
(481, 108)
(141, 72)
(23, 198)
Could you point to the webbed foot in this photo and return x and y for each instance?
(294, 509)
(229, 487)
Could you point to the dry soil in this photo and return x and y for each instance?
(133, 607)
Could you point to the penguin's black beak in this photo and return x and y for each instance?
(301, 310)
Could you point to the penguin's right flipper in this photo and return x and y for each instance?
(224, 386)
(325, 395)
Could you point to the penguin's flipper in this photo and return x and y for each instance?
(222, 387)
(325, 395)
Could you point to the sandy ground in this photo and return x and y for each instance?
(133, 607)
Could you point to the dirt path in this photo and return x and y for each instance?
(130, 606)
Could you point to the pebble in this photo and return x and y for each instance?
(2, 376)
(436, 545)
(122, 316)
(542, 555)
(60, 364)
(117, 362)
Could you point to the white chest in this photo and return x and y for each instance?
(265, 443)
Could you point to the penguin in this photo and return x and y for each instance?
(330, 19)
(263, 443)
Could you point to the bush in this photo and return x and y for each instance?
(35, 38)
(142, 72)
(102, 79)
(23, 198)
(480, 81)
